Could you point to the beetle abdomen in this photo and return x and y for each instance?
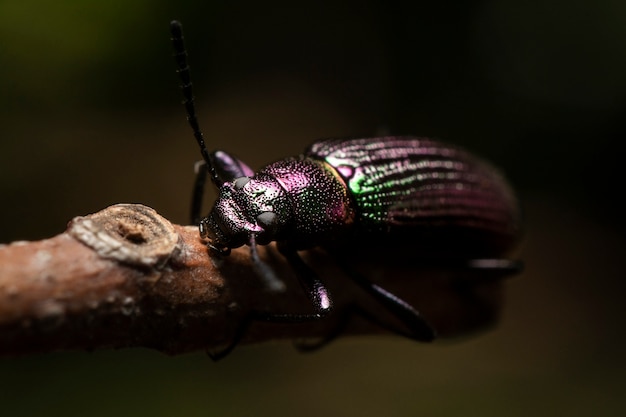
(416, 190)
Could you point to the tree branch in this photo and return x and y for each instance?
(125, 277)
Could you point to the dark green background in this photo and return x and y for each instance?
(90, 115)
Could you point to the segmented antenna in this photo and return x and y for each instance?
(180, 55)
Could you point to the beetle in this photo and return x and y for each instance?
(437, 202)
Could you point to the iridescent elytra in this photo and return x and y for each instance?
(438, 201)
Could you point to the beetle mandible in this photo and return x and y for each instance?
(445, 205)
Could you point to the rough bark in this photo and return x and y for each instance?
(125, 277)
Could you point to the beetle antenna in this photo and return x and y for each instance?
(180, 55)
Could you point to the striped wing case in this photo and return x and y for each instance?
(418, 191)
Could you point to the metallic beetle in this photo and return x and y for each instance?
(385, 193)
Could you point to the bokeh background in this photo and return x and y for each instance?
(90, 116)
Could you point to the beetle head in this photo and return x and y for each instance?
(247, 210)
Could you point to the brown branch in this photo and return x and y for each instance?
(125, 276)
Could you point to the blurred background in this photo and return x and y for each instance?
(90, 116)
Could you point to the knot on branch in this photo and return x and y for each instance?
(130, 233)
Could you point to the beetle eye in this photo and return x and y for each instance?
(241, 182)
(267, 220)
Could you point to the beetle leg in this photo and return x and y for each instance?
(340, 324)
(240, 331)
(417, 328)
(315, 289)
(486, 269)
(227, 168)
(421, 331)
(498, 267)
(272, 282)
